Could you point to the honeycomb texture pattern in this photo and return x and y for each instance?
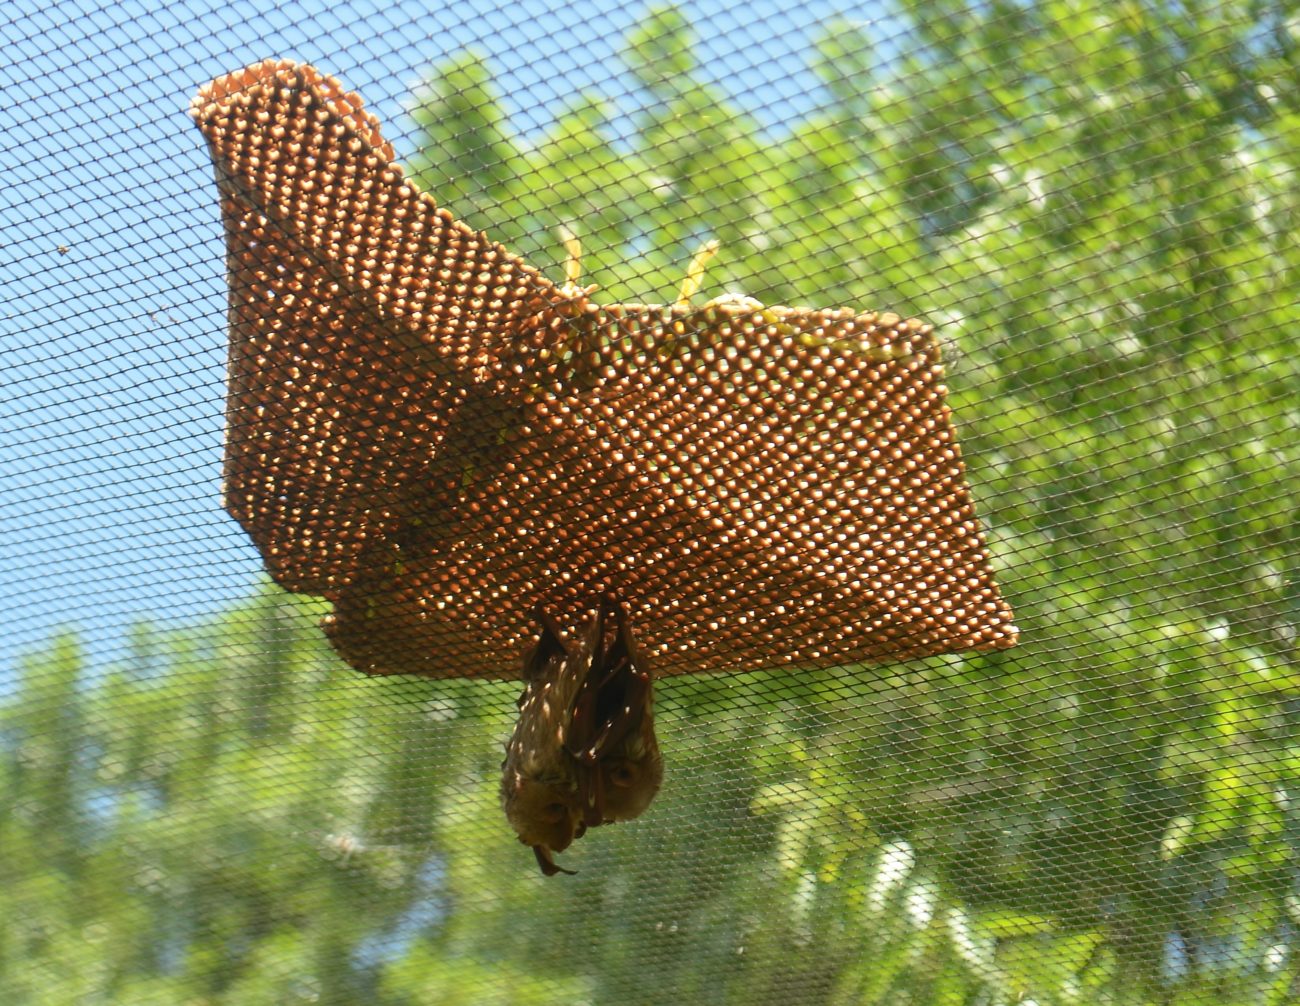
(426, 431)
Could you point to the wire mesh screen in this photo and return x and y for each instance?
(665, 351)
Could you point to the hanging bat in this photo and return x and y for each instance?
(583, 752)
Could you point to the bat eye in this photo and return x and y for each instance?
(622, 774)
(554, 813)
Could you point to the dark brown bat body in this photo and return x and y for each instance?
(583, 752)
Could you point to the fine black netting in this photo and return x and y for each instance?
(917, 381)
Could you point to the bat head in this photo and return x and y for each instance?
(544, 815)
(629, 784)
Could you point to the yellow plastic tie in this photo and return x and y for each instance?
(695, 273)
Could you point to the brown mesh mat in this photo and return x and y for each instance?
(429, 433)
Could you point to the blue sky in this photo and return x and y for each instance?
(112, 282)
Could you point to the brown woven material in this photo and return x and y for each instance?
(428, 432)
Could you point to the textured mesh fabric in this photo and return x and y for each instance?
(435, 437)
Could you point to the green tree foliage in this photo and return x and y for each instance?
(1097, 204)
